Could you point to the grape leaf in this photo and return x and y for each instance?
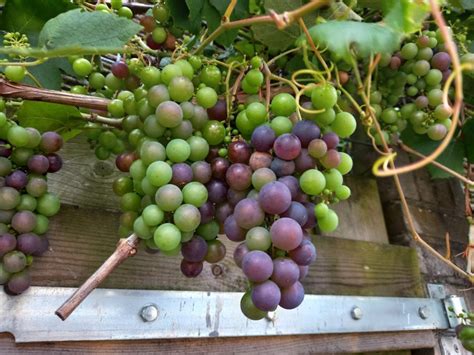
(405, 16)
(46, 116)
(452, 157)
(468, 138)
(365, 38)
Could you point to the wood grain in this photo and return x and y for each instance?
(81, 239)
(301, 344)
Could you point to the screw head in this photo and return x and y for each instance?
(424, 312)
(149, 313)
(356, 313)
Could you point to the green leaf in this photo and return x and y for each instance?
(240, 12)
(365, 38)
(405, 16)
(46, 116)
(49, 73)
(468, 138)
(452, 157)
(28, 17)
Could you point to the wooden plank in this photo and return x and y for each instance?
(314, 344)
(81, 239)
(86, 182)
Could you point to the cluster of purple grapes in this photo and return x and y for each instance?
(26, 156)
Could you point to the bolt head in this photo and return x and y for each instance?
(149, 313)
(424, 312)
(356, 313)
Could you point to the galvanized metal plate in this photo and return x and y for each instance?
(118, 314)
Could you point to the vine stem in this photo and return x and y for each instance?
(280, 20)
(451, 49)
(112, 122)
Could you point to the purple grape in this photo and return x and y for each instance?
(263, 138)
(239, 176)
(305, 254)
(14, 261)
(239, 253)
(215, 251)
(207, 212)
(55, 162)
(190, 269)
(219, 168)
(233, 196)
(195, 250)
(286, 234)
(120, 70)
(217, 191)
(292, 297)
(421, 102)
(446, 75)
(4, 150)
(317, 148)
(266, 296)
(287, 146)
(304, 161)
(24, 221)
(285, 272)
(38, 164)
(331, 139)
(6, 216)
(219, 111)
(395, 63)
(248, 213)
(303, 271)
(257, 266)
(223, 211)
(282, 167)
(441, 61)
(182, 174)
(7, 243)
(274, 197)
(51, 142)
(232, 229)
(306, 131)
(18, 282)
(260, 160)
(292, 184)
(239, 152)
(43, 246)
(331, 159)
(311, 222)
(202, 171)
(17, 179)
(297, 212)
(28, 243)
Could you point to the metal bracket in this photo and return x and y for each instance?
(138, 314)
(450, 345)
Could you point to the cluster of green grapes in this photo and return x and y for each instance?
(26, 156)
(409, 88)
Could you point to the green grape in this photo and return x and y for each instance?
(130, 201)
(96, 80)
(324, 96)
(249, 309)
(407, 110)
(3, 119)
(181, 89)
(48, 205)
(82, 67)
(437, 131)
(281, 125)
(283, 104)
(258, 238)
(178, 150)
(409, 51)
(344, 125)
(142, 229)
(247, 88)
(412, 91)
(343, 192)
(434, 77)
(125, 12)
(169, 72)
(42, 224)
(158, 94)
(158, 173)
(435, 97)
(256, 113)
(243, 124)
(195, 62)
(169, 114)
(345, 164)
(122, 185)
(214, 132)
(442, 112)
(173, 252)
(321, 210)
(167, 237)
(159, 35)
(187, 218)
(256, 62)
(112, 82)
(417, 117)
(420, 129)
(425, 54)
(107, 139)
(375, 97)
(161, 13)
(186, 68)
(147, 188)
(312, 182)
(188, 110)
(150, 76)
(18, 136)
(211, 76)
(208, 231)
(15, 73)
(421, 67)
(420, 85)
(27, 203)
(389, 115)
(195, 193)
(329, 223)
(152, 151)
(254, 78)
(411, 79)
(116, 4)
(325, 118)
(135, 136)
(446, 123)
(144, 109)
(169, 197)
(20, 156)
(199, 148)
(102, 7)
(152, 215)
(78, 89)
(206, 97)
(333, 179)
(5, 166)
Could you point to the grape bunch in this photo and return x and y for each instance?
(26, 157)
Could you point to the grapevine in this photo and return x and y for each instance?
(218, 139)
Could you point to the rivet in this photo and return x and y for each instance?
(356, 313)
(149, 313)
(424, 312)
